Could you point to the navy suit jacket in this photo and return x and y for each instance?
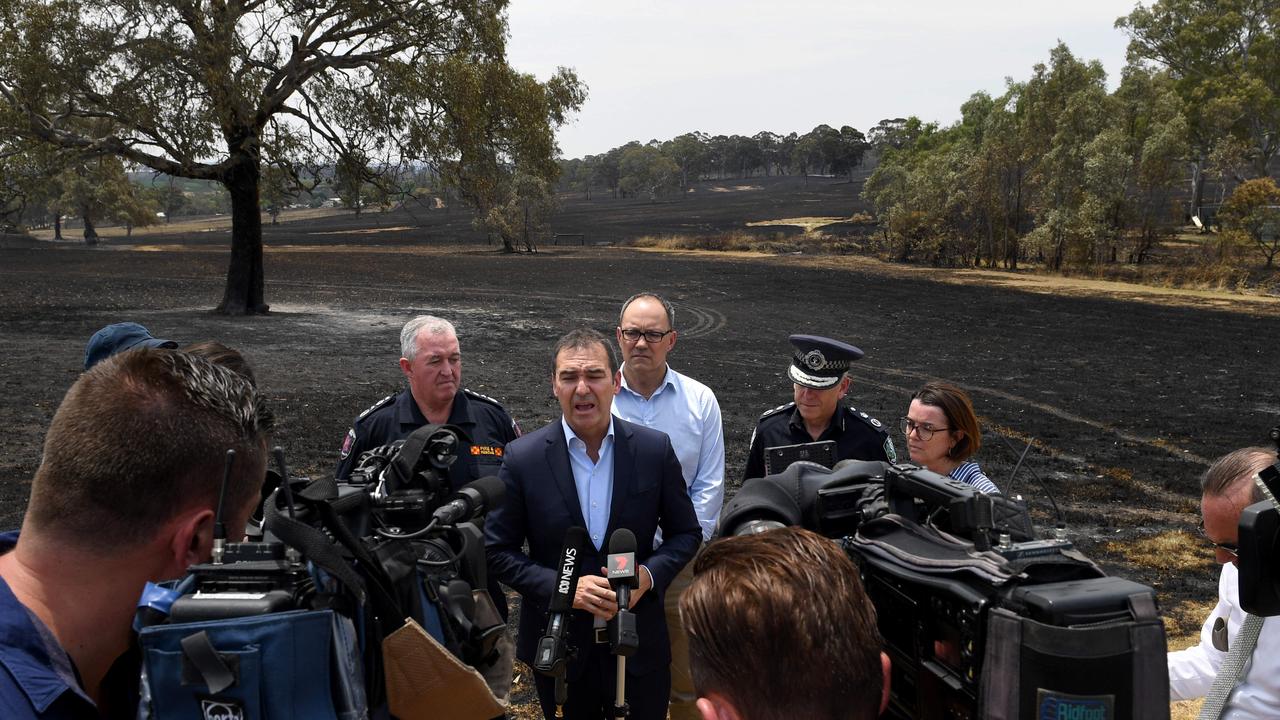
(540, 506)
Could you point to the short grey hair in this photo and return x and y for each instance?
(409, 334)
(671, 312)
(1238, 466)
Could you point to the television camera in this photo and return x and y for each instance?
(392, 543)
(979, 618)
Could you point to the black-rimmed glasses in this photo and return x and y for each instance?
(924, 432)
(650, 336)
(1228, 548)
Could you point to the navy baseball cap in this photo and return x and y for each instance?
(117, 338)
(819, 362)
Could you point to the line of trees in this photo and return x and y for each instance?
(1060, 170)
(658, 168)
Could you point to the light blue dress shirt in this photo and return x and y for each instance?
(687, 411)
(593, 480)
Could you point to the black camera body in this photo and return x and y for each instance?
(979, 618)
(253, 578)
(1259, 542)
(392, 542)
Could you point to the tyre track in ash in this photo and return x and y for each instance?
(707, 321)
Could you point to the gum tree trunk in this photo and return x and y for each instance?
(244, 290)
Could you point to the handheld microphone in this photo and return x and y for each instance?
(623, 639)
(471, 501)
(552, 657)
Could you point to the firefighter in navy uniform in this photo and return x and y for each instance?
(432, 363)
(431, 360)
(819, 372)
(396, 416)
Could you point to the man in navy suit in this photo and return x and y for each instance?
(598, 472)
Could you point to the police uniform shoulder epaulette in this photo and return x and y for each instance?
(874, 423)
(483, 398)
(380, 404)
(775, 411)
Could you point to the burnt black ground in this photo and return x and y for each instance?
(1127, 400)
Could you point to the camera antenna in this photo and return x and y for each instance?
(277, 452)
(219, 528)
(1016, 466)
(1061, 524)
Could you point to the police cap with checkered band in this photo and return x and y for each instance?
(819, 362)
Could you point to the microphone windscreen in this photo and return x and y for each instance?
(491, 490)
(622, 541)
(576, 541)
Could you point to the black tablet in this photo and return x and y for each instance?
(777, 459)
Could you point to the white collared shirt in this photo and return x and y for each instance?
(687, 411)
(1191, 671)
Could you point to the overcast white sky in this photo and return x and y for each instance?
(660, 68)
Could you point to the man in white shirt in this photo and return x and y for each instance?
(1228, 488)
(658, 397)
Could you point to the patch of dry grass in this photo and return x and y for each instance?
(808, 224)
(1092, 490)
(1170, 554)
(1183, 621)
(808, 243)
(1186, 710)
(1244, 276)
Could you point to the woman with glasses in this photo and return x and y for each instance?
(942, 434)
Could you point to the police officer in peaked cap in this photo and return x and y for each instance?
(819, 372)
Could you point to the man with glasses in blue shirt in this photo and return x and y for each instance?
(1228, 488)
(654, 395)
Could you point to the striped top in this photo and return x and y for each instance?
(970, 474)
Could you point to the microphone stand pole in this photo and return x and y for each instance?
(620, 707)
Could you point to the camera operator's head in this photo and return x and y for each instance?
(220, 354)
(780, 627)
(137, 449)
(1228, 489)
(125, 493)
